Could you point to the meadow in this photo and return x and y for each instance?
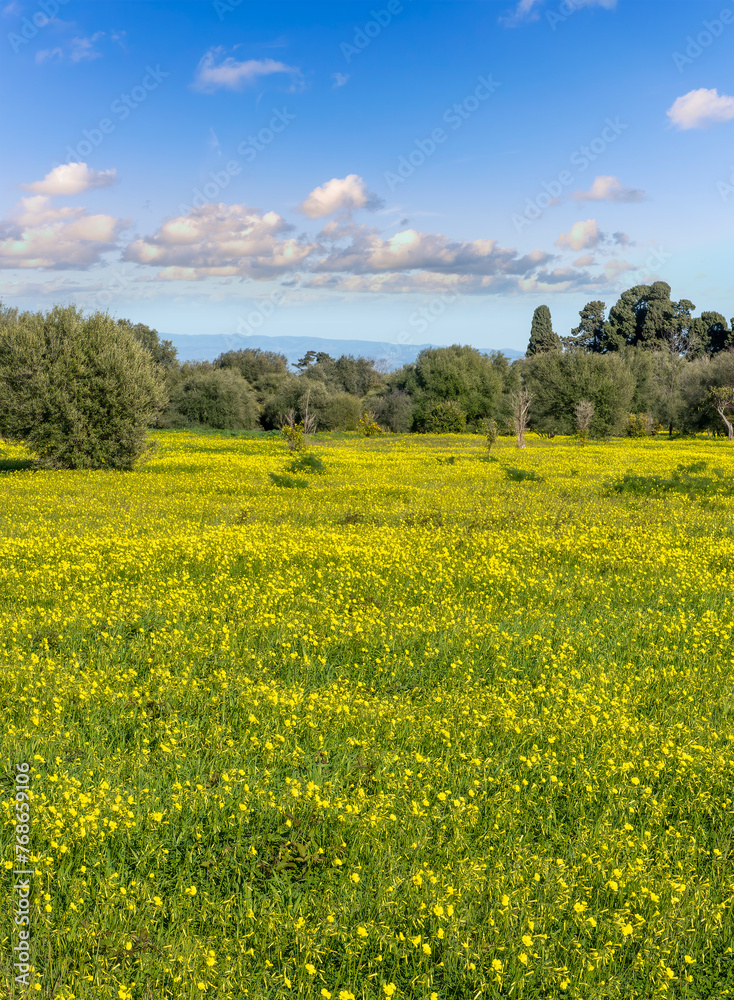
(432, 726)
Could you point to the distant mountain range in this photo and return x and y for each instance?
(207, 347)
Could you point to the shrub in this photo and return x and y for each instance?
(395, 411)
(444, 417)
(341, 413)
(367, 425)
(211, 397)
(289, 482)
(522, 475)
(80, 391)
(307, 463)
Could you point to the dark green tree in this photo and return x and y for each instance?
(589, 334)
(206, 396)
(162, 351)
(543, 338)
(80, 391)
(559, 381)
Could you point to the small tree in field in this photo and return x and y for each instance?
(584, 411)
(722, 399)
(79, 391)
(520, 405)
(491, 432)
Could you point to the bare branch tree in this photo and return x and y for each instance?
(584, 411)
(520, 403)
(722, 399)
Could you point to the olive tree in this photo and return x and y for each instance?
(79, 391)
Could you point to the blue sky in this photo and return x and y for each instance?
(400, 171)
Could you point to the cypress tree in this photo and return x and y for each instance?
(542, 336)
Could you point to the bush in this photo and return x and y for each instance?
(367, 425)
(289, 482)
(522, 475)
(444, 417)
(80, 391)
(395, 412)
(307, 463)
(211, 397)
(341, 413)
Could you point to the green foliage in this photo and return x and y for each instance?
(212, 397)
(522, 475)
(589, 334)
(462, 375)
(444, 417)
(294, 436)
(491, 432)
(341, 413)
(80, 391)
(367, 425)
(264, 371)
(640, 425)
(559, 381)
(395, 411)
(543, 338)
(162, 351)
(288, 482)
(307, 463)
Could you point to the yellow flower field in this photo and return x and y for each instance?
(424, 728)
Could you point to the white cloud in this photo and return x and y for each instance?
(700, 109)
(215, 70)
(368, 253)
(72, 178)
(40, 235)
(338, 196)
(583, 236)
(609, 188)
(221, 240)
(44, 55)
(586, 260)
(339, 79)
(83, 48)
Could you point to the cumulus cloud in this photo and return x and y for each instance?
(216, 71)
(583, 235)
(72, 178)
(221, 240)
(339, 196)
(701, 109)
(410, 250)
(40, 235)
(609, 188)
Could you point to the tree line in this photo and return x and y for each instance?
(83, 390)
